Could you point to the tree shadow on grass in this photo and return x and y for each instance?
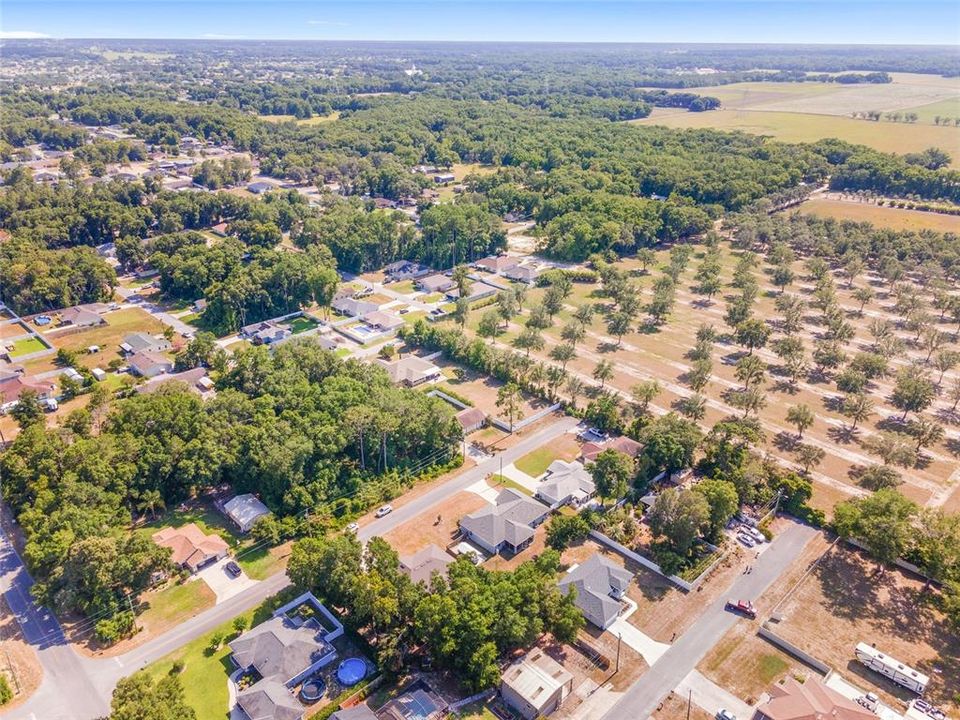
(843, 434)
(608, 347)
(785, 442)
(953, 445)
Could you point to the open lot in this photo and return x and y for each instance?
(536, 463)
(845, 601)
(424, 530)
(481, 390)
(675, 707)
(887, 217)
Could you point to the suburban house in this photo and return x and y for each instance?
(410, 370)
(405, 270)
(810, 700)
(507, 525)
(199, 305)
(12, 387)
(497, 263)
(220, 229)
(284, 651)
(191, 548)
(601, 586)
(357, 712)
(444, 178)
(383, 321)
(81, 316)
(471, 419)
(522, 273)
(266, 332)
(420, 703)
(196, 381)
(566, 483)
(421, 565)
(245, 510)
(435, 283)
(622, 444)
(258, 188)
(535, 685)
(353, 307)
(149, 364)
(140, 342)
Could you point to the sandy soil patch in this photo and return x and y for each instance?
(844, 601)
(18, 661)
(421, 531)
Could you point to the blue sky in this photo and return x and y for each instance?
(767, 21)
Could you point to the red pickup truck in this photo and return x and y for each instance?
(743, 606)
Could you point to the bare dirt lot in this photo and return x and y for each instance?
(675, 707)
(844, 601)
(424, 530)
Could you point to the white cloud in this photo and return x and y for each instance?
(327, 22)
(218, 36)
(21, 35)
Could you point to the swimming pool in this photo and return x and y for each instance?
(351, 671)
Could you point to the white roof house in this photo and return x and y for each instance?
(410, 370)
(245, 510)
(566, 484)
(535, 685)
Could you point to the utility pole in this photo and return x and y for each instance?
(689, 700)
(619, 643)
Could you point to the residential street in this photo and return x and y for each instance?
(668, 672)
(76, 687)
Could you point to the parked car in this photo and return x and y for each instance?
(742, 606)
(383, 510)
(724, 714)
(233, 570)
(353, 527)
(754, 533)
(746, 539)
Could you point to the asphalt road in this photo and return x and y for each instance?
(645, 694)
(76, 687)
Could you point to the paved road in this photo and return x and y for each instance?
(76, 687)
(642, 698)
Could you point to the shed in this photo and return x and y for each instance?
(245, 510)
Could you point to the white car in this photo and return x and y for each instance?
(384, 510)
(754, 533)
(353, 527)
(724, 714)
(746, 539)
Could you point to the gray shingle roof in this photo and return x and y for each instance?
(279, 648)
(269, 699)
(509, 519)
(565, 480)
(594, 580)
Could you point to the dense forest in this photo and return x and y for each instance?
(303, 429)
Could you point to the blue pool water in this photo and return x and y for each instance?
(351, 671)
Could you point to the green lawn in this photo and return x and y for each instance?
(25, 346)
(174, 604)
(302, 324)
(435, 297)
(501, 481)
(411, 317)
(536, 463)
(206, 670)
(474, 711)
(404, 288)
(261, 563)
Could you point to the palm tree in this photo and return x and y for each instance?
(461, 276)
(575, 389)
(858, 407)
(563, 353)
(603, 372)
(694, 407)
(751, 371)
(800, 416)
(150, 501)
(645, 393)
(574, 332)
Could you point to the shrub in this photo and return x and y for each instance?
(6, 694)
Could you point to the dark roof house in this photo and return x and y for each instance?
(283, 649)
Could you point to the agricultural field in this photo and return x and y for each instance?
(662, 354)
(807, 112)
(886, 217)
(315, 120)
(846, 600)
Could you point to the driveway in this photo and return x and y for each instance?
(709, 696)
(224, 585)
(650, 649)
(682, 657)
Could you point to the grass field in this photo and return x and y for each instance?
(893, 218)
(301, 324)
(536, 463)
(315, 120)
(174, 604)
(800, 127)
(26, 346)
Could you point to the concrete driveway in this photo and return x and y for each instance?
(220, 581)
(650, 649)
(709, 696)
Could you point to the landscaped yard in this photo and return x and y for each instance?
(502, 481)
(404, 288)
(174, 604)
(206, 669)
(474, 711)
(301, 324)
(536, 463)
(25, 346)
